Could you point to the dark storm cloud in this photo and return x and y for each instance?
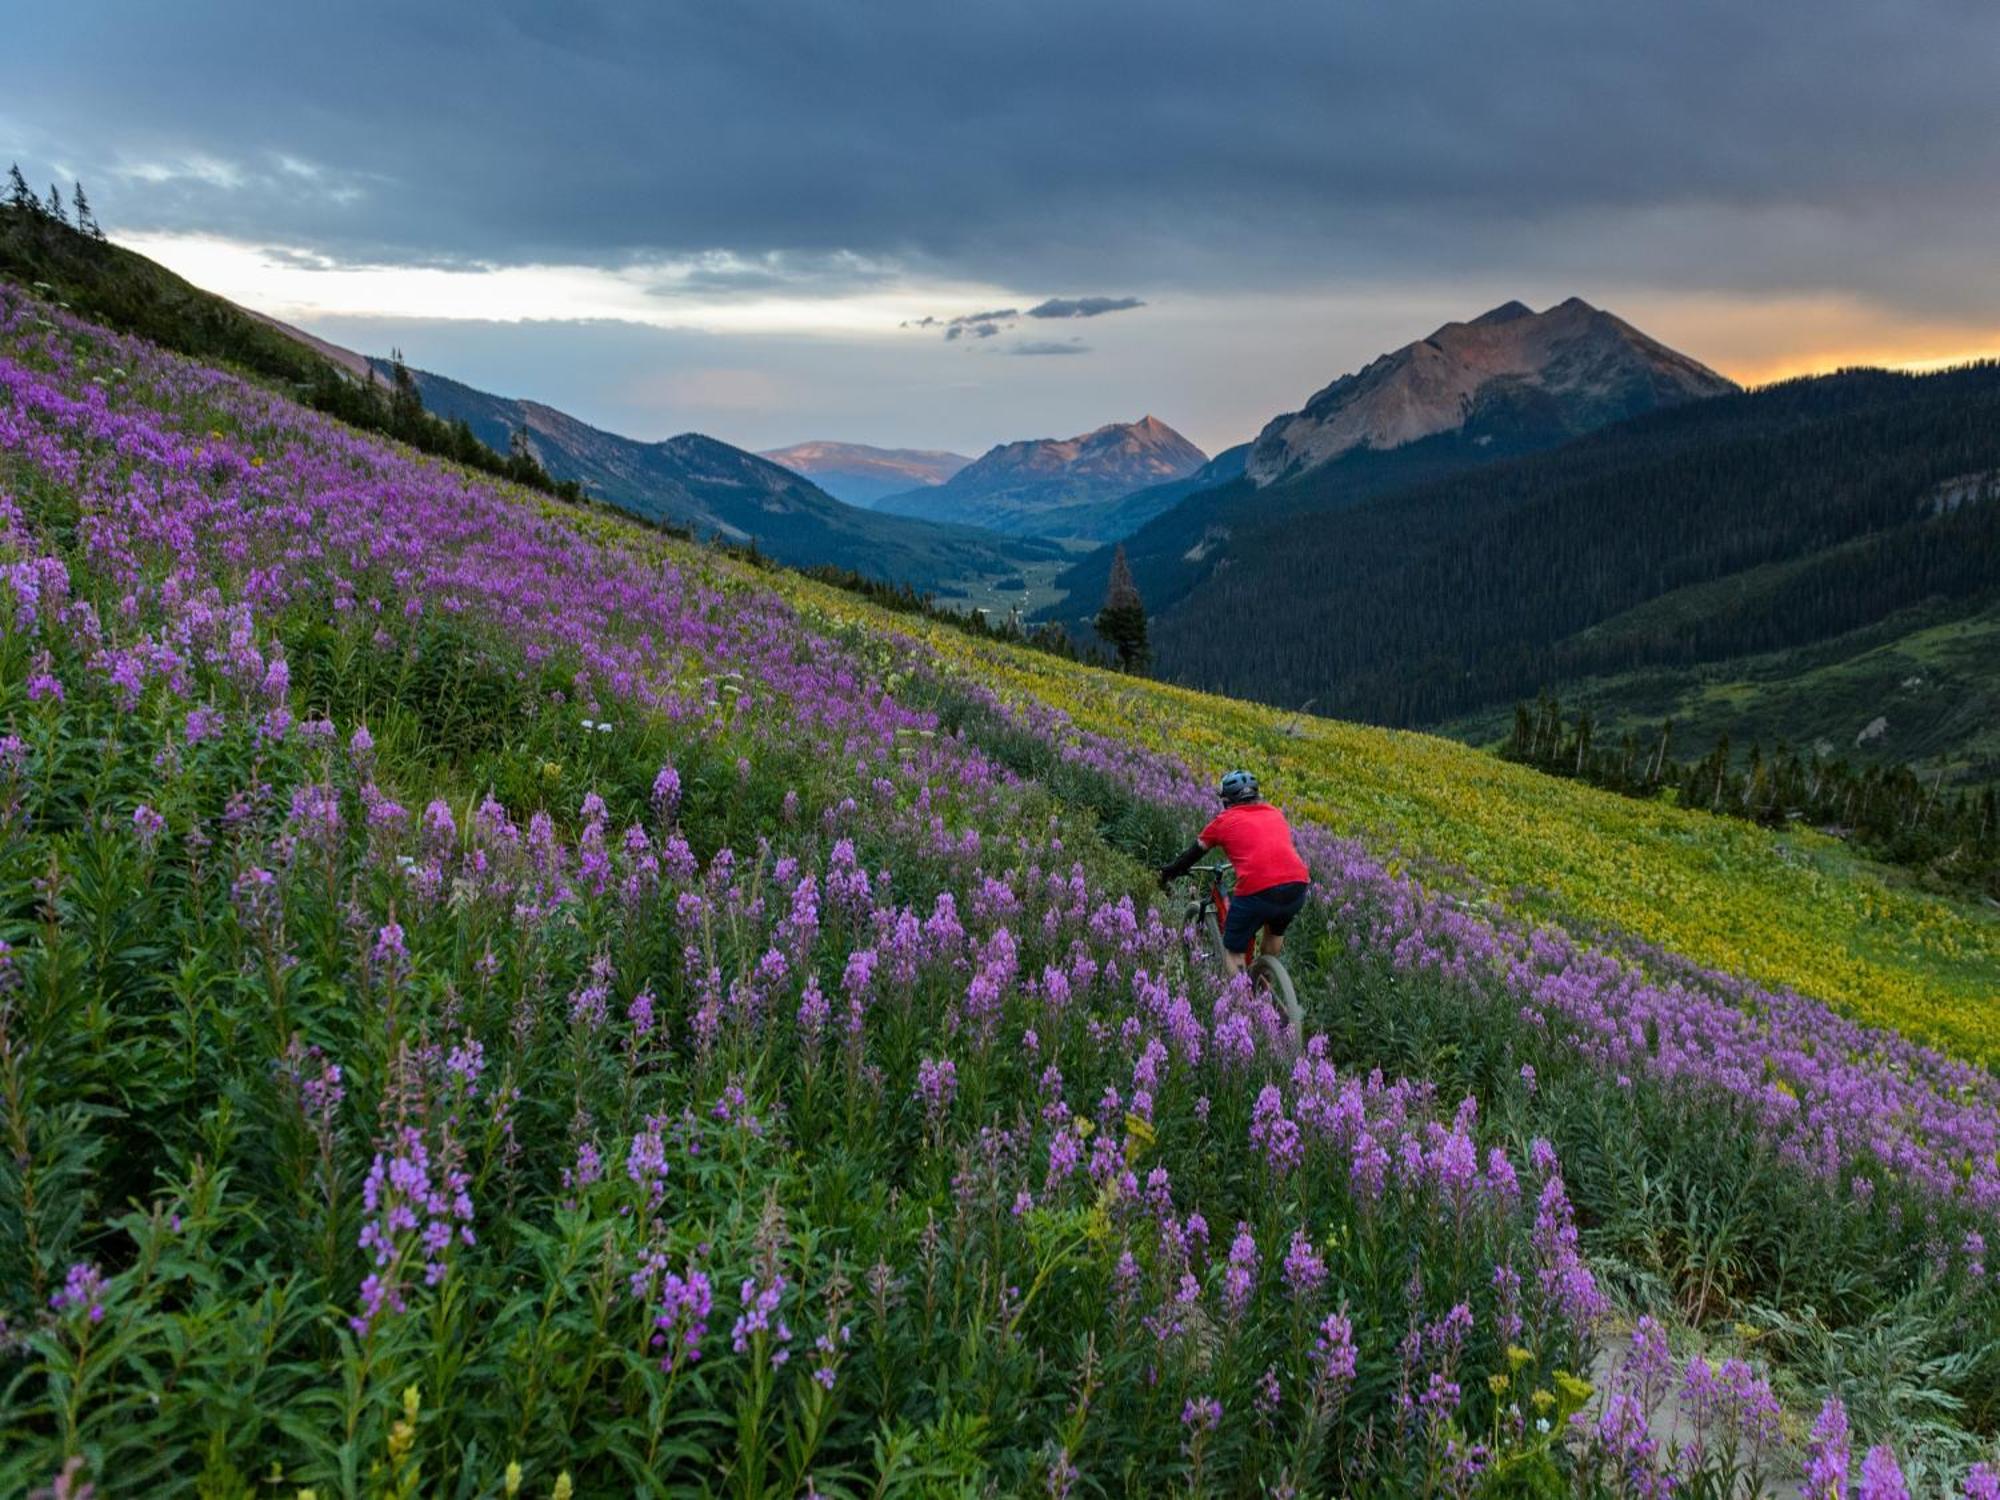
(1809, 144)
(1082, 307)
(983, 325)
(728, 275)
(980, 327)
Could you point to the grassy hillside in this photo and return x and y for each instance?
(1925, 673)
(495, 1000)
(1794, 910)
(129, 292)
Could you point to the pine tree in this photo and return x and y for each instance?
(1122, 620)
(54, 207)
(19, 194)
(406, 403)
(86, 221)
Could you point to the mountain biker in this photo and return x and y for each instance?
(1271, 879)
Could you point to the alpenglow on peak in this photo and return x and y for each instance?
(1573, 367)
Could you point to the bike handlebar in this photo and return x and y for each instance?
(1199, 871)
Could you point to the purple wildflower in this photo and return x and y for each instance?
(1827, 1453)
(1305, 1268)
(1881, 1477)
(148, 825)
(83, 1290)
(760, 1318)
(682, 1323)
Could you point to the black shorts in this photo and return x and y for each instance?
(1272, 908)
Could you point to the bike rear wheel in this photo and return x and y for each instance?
(1270, 974)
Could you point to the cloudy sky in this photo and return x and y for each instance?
(948, 225)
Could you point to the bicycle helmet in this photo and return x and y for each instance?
(1237, 786)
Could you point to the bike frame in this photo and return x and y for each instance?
(1212, 892)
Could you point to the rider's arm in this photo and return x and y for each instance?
(1185, 861)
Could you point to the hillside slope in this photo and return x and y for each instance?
(1202, 532)
(540, 997)
(1789, 910)
(1742, 526)
(716, 489)
(129, 292)
(1128, 513)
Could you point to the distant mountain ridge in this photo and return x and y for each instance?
(1565, 371)
(861, 474)
(1815, 562)
(716, 489)
(1508, 383)
(1056, 486)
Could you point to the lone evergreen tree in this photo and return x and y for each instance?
(86, 221)
(54, 207)
(406, 403)
(19, 194)
(1122, 620)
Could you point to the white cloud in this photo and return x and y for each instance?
(716, 292)
(209, 171)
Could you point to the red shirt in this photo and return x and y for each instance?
(1258, 842)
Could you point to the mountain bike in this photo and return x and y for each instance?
(1208, 909)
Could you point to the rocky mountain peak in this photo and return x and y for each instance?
(1567, 369)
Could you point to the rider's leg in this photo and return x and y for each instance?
(1273, 944)
(1239, 934)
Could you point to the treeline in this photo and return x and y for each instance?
(41, 243)
(905, 599)
(1758, 522)
(76, 215)
(1893, 813)
(397, 410)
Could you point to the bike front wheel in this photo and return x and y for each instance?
(1202, 915)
